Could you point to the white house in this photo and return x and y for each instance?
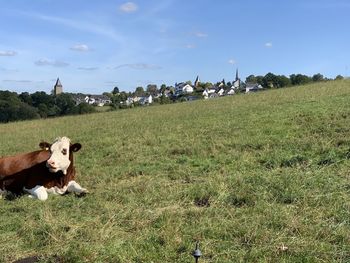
(212, 90)
(205, 94)
(183, 88)
(253, 87)
(221, 92)
(231, 91)
(99, 100)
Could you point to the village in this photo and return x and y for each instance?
(183, 91)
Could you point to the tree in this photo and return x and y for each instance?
(299, 79)
(162, 88)
(152, 89)
(13, 109)
(251, 79)
(41, 97)
(270, 80)
(139, 91)
(283, 81)
(65, 103)
(115, 91)
(339, 77)
(26, 98)
(164, 100)
(317, 77)
(84, 108)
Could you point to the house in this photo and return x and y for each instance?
(231, 91)
(253, 87)
(97, 100)
(128, 101)
(212, 90)
(221, 92)
(183, 88)
(205, 94)
(146, 100)
(167, 93)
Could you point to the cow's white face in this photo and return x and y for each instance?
(59, 160)
(60, 151)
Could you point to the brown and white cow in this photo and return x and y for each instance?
(50, 170)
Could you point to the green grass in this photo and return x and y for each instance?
(244, 175)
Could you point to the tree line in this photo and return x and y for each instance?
(271, 80)
(25, 106)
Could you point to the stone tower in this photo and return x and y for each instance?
(57, 89)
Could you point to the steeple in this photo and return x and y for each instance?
(237, 82)
(196, 82)
(57, 89)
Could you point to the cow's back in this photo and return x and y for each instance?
(14, 164)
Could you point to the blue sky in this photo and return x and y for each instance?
(93, 46)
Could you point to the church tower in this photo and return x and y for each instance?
(57, 89)
(237, 81)
(196, 82)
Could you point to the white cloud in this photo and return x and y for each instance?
(190, 46)
(232, 61)
(268, 44)
(88, 68)
(49, 62)
(140, 66)
(128, 7)
(18, 81)
(8, 69)
(80, 47)
(85, 26)
(8, 53)
(200, 34)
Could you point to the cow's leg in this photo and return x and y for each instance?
(38, 191)
(2, 193)
(74, 187)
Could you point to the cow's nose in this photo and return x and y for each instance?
(51, 162)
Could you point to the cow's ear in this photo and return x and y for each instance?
(45, 146)
(75, 147)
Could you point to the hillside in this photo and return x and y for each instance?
(260, 177)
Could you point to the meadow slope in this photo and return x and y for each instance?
(255, 178)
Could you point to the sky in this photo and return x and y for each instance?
(94, 46)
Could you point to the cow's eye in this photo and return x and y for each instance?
(64, 151)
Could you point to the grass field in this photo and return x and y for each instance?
(260, 177)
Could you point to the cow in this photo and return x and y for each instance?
(38, 173)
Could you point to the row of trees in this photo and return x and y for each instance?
(271, 80)
(26, 106)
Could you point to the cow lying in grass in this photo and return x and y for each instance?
(38, 173)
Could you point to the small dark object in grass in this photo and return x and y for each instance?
(31, 259)
(202, 202)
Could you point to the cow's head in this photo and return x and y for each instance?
(60, 154)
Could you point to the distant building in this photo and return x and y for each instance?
(183, 88)
(253, 87)
(237, 82)
(57, 89)
(96, 100)
(197, 82)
